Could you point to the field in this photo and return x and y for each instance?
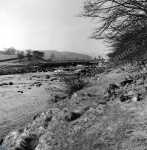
(4, 56)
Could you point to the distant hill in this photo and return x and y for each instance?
(65, 55)
(58, 55)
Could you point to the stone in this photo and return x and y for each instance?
(126, 82)
(47, 76)
(124, 98)
(139, 82)
(72, 116)
(134, 99)
(53, 79)
(10, 83)
(130, 93)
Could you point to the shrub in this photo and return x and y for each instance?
(73, 84)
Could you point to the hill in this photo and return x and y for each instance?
(58, 55)
(65, 54)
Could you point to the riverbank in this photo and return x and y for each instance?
(91, 119)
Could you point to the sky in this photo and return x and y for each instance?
(47, 25)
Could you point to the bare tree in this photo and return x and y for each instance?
(52, 56)
(116, 16)
(29, 54)
(41, 54)
(20, 55)
(38, 54)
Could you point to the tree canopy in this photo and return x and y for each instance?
(29, 54)
(52, 56)
(20, 55)
(122, 23)
(10, 50)
(116, 16)
(38, 54)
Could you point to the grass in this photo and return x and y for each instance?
(3, 56)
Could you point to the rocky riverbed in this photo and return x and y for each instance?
(22, 96)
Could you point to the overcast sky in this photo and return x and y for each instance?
(46, 25)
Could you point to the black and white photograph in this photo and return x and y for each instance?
(73, 75)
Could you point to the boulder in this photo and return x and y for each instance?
(134, 99)
(123, 83)
(130, 93)
(47, 76)
(53, 79)
(10, 83)
(72, 116)
(124, 98)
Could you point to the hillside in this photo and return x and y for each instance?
(58, 55)
(65, 54)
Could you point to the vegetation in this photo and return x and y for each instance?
(38, 54)
(52, 57)
(73, 84)
(123, 25)
(10, 50)
(20, 55)
(29, 54)
(129, 47)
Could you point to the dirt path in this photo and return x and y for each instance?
(19, 102)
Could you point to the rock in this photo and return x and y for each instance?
(112, 86)
(139, 97)
(145, 86)
(4, 83)
(76, 114)
(38, 85)
(126, 82)
(124, 98)
(48, 118)
(10, 83)
(47, 76)
(56, 98)
(134, 99)
(72, 116)
(53, 79)
(74, 95)
(139, 82)
(36, 116)
(130, 93)
(1, 141)
(20, 91)
(106, 97)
